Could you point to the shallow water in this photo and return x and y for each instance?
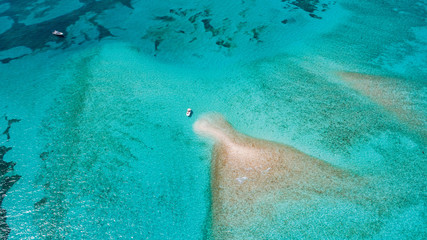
(105, 151)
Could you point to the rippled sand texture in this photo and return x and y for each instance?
(267, 190)
(106, 168)
(105, 150)
(393, 94)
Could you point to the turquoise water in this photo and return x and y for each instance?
(105, 151)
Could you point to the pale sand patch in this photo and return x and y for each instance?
(252, 177)
(391, 93)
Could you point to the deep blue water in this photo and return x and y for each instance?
(96, 144)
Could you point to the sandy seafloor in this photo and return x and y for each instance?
(104, 148)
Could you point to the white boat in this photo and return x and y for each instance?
(58, 33)
(189, 112)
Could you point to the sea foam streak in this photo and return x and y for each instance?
(253, 178)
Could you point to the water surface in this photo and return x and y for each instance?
(104, 148)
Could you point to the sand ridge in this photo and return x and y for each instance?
(252, 177)
(394, 94)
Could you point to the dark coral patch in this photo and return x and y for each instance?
(165, 18)
(178, 12)
(157, 43)
(9, 124)
(314, 16)
(306, 5)
(175, 20)
(40, 34)
(256, 33)
(6, 183)
(40, 203)
(44, 155)
(209, 28)
(6, 180)
(223, 43)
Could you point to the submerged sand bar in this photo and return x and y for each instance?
(252, 179)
